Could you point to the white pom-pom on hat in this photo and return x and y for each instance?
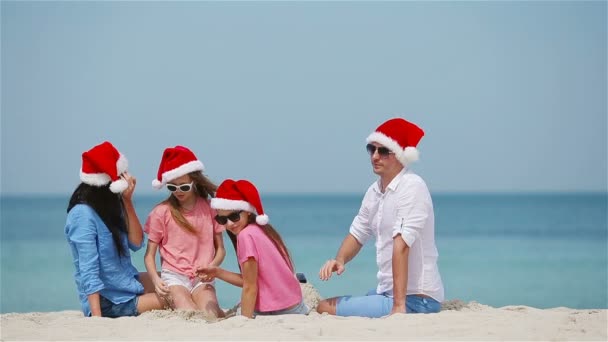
(156, 184)
(119, 186)
(411, 154)
(262, 220)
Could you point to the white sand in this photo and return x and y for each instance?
(457, 321)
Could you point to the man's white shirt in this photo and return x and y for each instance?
(404, 208)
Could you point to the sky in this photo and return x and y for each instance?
(512, 95)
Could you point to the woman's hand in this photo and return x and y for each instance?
(127, 194)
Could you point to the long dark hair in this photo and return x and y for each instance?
(274, 236)
(107, 205)
(204, 188)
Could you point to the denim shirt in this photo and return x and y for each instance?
(98, 266)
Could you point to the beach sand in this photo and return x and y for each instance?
(456, 321)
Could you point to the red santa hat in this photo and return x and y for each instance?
(176, 162)
(103, 164)
(399, 136)
(239, 195)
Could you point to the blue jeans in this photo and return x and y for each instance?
(300, 309)
(109, 309)
(378, 305)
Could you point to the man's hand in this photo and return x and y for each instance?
(330, 267)
(400, 308)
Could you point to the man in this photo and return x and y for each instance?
(397, 211)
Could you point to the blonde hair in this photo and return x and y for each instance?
(203, 187)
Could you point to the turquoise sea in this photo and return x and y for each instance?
(541, 250)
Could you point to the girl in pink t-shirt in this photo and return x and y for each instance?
(267, 277)
(183, 228)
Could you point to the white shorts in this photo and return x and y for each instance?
(171, 278)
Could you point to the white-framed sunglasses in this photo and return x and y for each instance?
(181, 188)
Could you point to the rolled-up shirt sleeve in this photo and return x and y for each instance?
(135, 247)
(155, 226)
(83, 235)
(412, 212)
(246, 248)
(360, 229)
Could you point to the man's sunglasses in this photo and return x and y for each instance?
(182, 188)
(382, 151)
(234, 216)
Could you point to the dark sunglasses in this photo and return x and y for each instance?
(382, 151)
(234, 216)
(182, 188)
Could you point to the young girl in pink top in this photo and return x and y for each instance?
(267, 274)
(182, 226)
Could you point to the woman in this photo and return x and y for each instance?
(101, 227)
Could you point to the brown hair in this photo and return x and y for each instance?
(202, 186)
(276, 239)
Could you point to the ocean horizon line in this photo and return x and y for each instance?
(304, 194)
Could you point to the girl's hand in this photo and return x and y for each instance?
(207, 274)
(128, 193)
(161, 288)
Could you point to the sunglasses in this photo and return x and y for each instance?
(382, 151)
(234, 217)
(182, 188)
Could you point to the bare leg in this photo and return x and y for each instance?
(182, 300)
(328, 305)
(149, 301)
(206, 300)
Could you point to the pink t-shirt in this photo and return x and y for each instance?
(278, 287)
(181, 250)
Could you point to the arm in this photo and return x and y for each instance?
(400, 268)
(413, 210)
(211, 272)
(359, 233)
(150, 261)
(348, 250)
(82, 233)
(250, 287)
(94, 304)
(136, 233)
(220, 251)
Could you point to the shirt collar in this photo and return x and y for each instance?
(392, 186)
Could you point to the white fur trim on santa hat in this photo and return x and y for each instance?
(226, 204)
(410, 154)
(184, 169)
(262, 220)
(95, 179)
(119, 186)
